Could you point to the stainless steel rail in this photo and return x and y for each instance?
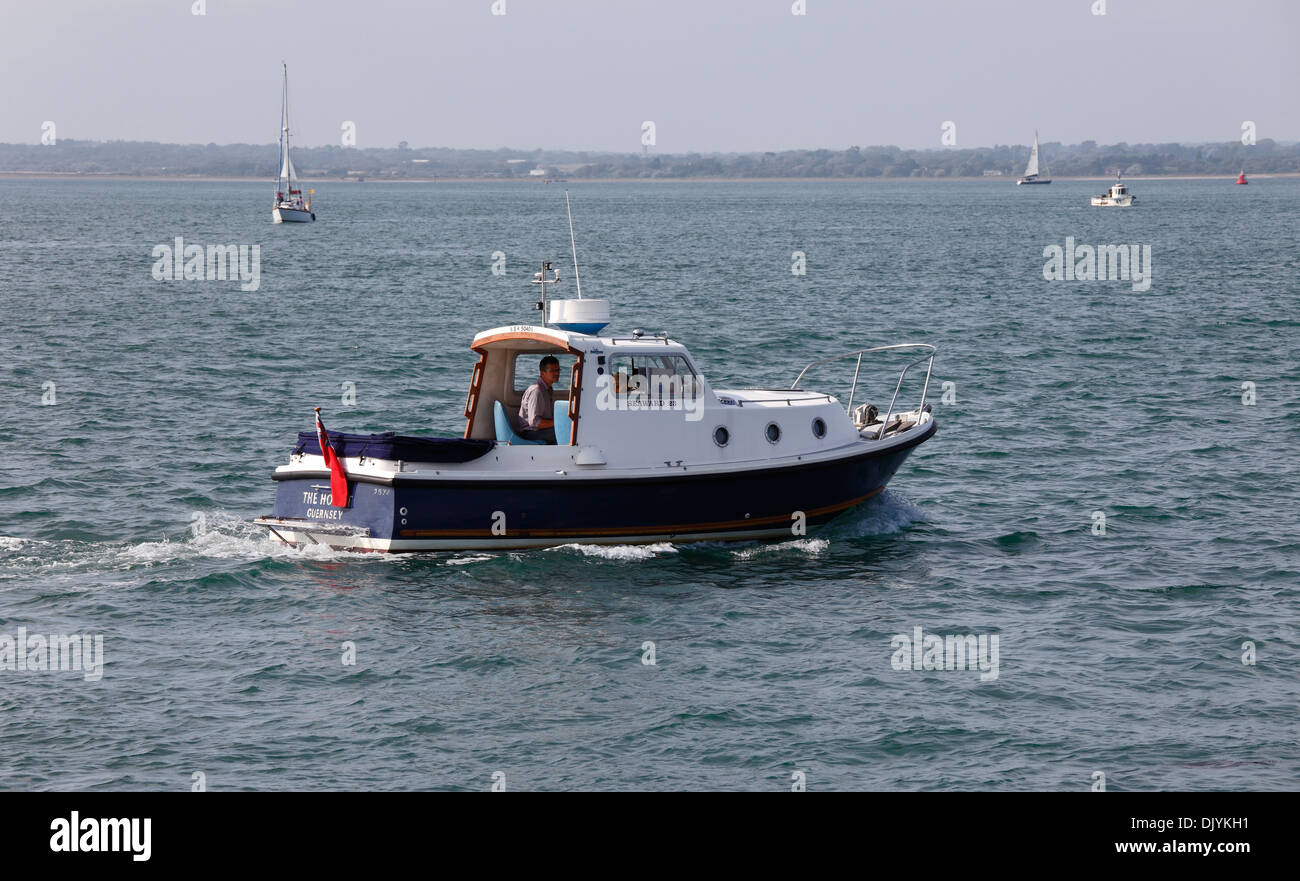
(858, 369)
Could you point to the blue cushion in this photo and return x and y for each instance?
(505, 433)
(563, 424)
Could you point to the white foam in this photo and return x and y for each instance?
(226, 537)
(222, 536)
(887, 514)
(620, 552)
(465, 561)
(810, 546)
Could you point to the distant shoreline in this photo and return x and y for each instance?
(991, 179)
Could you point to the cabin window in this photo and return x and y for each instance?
(651, 382)
(527, 369)
(819, 427)
(721, 436)
(772, 432)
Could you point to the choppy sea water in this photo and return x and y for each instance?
(125, 501)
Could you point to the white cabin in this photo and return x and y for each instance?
(627, 401)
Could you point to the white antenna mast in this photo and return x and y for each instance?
(577, 282)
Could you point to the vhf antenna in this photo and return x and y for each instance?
(577, 282)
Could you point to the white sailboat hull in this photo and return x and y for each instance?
(1033, 180)
(292, 215)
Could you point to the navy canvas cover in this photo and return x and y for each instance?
(395, 446)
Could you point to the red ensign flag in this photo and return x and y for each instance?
(338, 477)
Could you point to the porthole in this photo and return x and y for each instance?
(721, 436)
(773, 432)
(819, 427)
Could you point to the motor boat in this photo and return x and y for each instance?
(646, 450)
(1117, 196)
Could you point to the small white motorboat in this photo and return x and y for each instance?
(1117, 196)
(290, 206)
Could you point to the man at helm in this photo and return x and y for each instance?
(536, 408)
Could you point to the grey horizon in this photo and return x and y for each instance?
(718, 76)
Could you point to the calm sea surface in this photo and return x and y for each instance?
(125, 500)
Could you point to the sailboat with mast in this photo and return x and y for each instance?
(290, 207)
(1031, 170)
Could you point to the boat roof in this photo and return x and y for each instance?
(531, 337)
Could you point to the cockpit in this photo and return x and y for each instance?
(508, 364)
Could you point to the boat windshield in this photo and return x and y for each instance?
(652, 381)
(528, 368)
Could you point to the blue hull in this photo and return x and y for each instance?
(402, 513)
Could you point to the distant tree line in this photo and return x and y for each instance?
(259, 161)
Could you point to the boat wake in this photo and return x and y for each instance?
(219, 536)
(810, 546)
(226, 537)
(887, 514)
(619, 552)
(472, 558)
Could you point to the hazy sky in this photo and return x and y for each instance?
(712, 75)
